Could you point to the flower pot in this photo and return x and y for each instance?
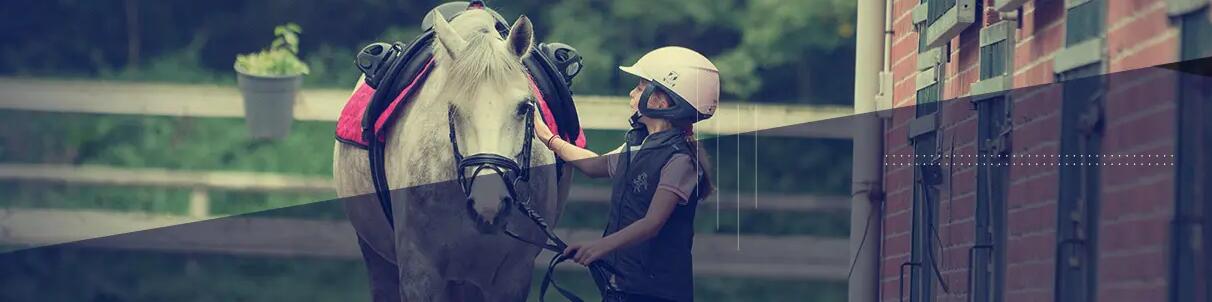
(269, 103)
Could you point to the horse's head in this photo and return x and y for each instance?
(490, 105)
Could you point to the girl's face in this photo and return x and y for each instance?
(656, 101)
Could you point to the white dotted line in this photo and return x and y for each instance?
(1032, 164)
(1033, 155)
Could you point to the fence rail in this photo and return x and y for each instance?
(200, 182)
(790, 257)
(609, 113)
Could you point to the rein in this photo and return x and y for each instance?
(520, 172)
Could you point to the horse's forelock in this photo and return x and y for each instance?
(485, 62)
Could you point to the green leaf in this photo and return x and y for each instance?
(280, 59)
(294, 27)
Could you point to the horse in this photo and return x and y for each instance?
(447, 242)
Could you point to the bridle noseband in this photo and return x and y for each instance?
(512, 172)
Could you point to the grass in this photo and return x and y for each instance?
(80, 274)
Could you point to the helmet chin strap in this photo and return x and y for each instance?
(649, 89)
(638, 130)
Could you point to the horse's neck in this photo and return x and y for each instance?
(420, 140)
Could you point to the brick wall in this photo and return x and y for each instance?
(1136, 201)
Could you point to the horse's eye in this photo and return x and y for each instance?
(524, 107)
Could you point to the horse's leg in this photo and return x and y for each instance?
(375, 240)
(421, 280)
(384, 276)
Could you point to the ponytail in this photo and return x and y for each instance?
(703, 160)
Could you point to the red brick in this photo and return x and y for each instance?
(1131, 235)
(1029, 296)
(1120, 9)
(1144, 292)
(1142, 24)
(1031, 220)
(1029, 275)
(1038, 42)
(1160, 52)
(1136, 90)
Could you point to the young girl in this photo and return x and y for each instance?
(658, 179)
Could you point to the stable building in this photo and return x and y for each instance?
(1046, 150)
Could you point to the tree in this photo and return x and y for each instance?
(745, 39)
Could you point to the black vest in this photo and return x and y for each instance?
(659, 266)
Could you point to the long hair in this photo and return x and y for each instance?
(702, 159)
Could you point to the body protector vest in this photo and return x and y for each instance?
(659, 266)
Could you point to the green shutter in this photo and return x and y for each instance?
(997, 59)
(1196, 35)
(1083, 20)
(946, 19)
(1083, 36)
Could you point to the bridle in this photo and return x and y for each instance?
(514, 173)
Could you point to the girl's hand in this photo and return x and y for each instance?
(540, 129)
(586, 253)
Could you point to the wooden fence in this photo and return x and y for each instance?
(800, 257)
(325, 105)
(804, 257)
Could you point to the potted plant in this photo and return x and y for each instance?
(269, 80)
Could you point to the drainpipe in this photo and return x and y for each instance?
(873, 35)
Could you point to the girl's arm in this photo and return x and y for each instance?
(663, 203)
(584, 160)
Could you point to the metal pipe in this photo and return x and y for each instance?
(866, 190)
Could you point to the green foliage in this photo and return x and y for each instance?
(181, 66)
(280, 59)
(767, 50)
(747, 40)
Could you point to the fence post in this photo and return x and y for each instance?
(199, 203)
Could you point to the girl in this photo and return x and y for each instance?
(658, 179)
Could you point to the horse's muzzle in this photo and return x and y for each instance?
(489, 200)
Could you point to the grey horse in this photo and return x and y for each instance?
(448, 246)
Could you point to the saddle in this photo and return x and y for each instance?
(399, 69)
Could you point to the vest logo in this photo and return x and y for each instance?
(640, 183)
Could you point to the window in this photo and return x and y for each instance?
(1190, 258)
(927, 173)
(997, 59)
(946, 19)
(1084, 44)
(1078, 66)
(987, 256)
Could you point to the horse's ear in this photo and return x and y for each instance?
(447, 36)
(521, 37)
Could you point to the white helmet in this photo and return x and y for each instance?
(688, 77)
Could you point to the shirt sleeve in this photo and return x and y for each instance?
(612, 160)
(680, 176)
